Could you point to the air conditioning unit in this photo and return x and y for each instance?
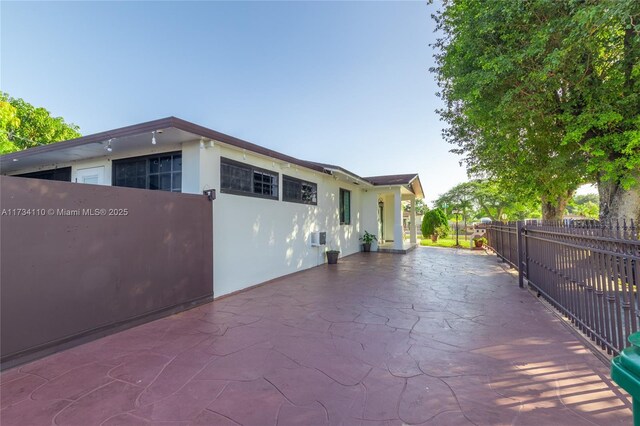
(318, 239)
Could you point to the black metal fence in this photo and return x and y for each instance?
(586, 270)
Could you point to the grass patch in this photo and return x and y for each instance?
(445, 242)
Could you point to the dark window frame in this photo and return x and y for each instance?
(252, 185)
(50, 174)
(301, 182)
(345, 213)
(147, 159)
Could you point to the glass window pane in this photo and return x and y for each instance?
(225, 176)
(347, 207)
(165, 182)
(154, 165)
(177, 182)
(154, 182)
(126, 174)
(165, 164)
(177, 163)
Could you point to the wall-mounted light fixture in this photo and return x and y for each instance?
(153, 138)
(108, 147)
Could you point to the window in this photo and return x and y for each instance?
(345, 207)
(299, 191)
(244, 179)
(62, 174)
(158, 172)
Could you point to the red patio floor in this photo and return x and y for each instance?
(433, 337)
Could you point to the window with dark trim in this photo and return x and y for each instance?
(244, 179)
(157, 172)
(299, 191)
(62, 174)
(345, 207)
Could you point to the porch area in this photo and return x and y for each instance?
(393, 248)
(434, 337)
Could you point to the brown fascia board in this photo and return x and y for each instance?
(96, 137)
(341, 169)
(186, 126)
(417, 180)
(242, 144)
(163, 123)
(392, 179)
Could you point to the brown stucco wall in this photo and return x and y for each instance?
(65, 278)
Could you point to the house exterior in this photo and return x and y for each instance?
(269, 206)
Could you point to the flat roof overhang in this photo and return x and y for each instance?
(168, 130)
(173, 130)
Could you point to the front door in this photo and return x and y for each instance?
(93, 175)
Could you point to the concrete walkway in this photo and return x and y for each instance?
(436, 336)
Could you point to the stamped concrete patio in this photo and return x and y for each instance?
(436, 336)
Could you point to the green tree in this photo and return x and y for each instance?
(8, 120)
(584, 205)
(23, 125)
(485, 198)
(420, 207)
(543, 96)
(434, 222)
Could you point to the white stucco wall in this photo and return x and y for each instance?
(257, 239)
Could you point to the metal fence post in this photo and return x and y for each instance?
(521, 254)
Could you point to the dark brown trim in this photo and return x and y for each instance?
(239, 143)
(135, 129)
(196, 129)
(162, 123)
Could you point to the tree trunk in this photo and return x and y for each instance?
(619, 204)
(553, 208)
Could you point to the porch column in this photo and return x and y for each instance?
(413, 228)
(398, 231)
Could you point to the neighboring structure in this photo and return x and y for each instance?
(268, 206)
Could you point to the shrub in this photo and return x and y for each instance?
(434, 221)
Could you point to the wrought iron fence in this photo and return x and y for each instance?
(502, 238)
(587, 270)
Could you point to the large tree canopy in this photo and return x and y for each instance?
(24, 126)
(484, 198)
(544, 95)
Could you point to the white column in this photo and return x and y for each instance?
(398, 231)
(413, 229)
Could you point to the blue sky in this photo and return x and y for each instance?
(342, 83)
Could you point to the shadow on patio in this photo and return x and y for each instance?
(433, 337)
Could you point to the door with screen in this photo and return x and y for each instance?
(93, 175)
